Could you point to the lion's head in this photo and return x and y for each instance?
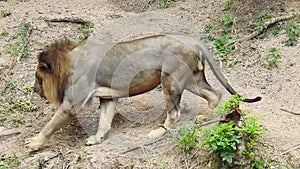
(53, 70)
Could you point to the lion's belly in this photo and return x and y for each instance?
(144, 82)
(128, 83)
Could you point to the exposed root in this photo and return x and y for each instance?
(68, 20)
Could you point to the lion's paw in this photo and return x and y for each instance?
(34, 144)
(92, 140)
(157, 133)
(200, 119)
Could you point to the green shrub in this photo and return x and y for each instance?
(228, 4)
(226, 106)
(223, 140)
(273, 58)
(187, 139)
(222, 49)
(85, 30)
(293, 32)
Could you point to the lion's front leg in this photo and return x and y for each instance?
(59, 120)
(107, 112)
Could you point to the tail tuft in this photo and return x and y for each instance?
(256, 99)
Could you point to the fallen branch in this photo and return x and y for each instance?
(68, 20)
(262, 28)
(289, 150)
(291, 112)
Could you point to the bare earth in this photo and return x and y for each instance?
(126, 147)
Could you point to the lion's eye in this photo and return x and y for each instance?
(40, 80)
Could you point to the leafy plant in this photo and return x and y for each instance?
(223, 142)
(27, 88)
(293, 32)
(224, 29)
(262, 19)
(19, 48)
(187, 139)
(5, 13)
(4, 32)
(222, 49)
(85, 30)
(208, 28)
(10, 162)
(2, 166)
(251, 131)
(78, 165)
(226, 106)
(277, 29)
(163, 164)
(228, 5)
(273, 58)
(228, 22)
(163, 4)
(258, 163)
(16, 106)
(41, 162)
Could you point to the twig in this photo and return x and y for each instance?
(50, 158)
(140, 146)
(291, 112)
(25, 40)
(294, 148)
(262, 28)
(68, 20)
(7, 79)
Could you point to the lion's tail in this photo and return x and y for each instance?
(220, 76)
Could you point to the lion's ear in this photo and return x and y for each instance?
(43, 62)
(44, 67)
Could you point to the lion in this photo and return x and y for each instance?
(69, 74)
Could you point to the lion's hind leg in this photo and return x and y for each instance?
(172, 94)
(199, 86)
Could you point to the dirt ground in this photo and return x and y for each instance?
(126, 147)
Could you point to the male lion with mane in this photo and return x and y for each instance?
(69, 75)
